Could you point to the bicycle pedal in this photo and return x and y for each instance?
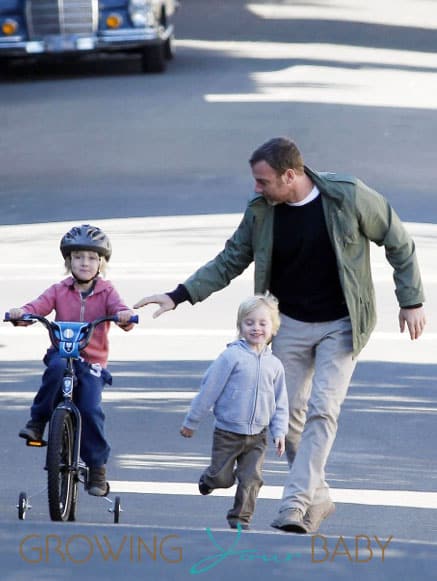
(36, 443)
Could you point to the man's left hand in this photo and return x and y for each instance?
(415, 320)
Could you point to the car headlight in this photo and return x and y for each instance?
(141, 13)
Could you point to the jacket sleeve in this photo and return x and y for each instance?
(381, 224)
(279, 422)
(211, 387)
(44, 304)
(228, 264)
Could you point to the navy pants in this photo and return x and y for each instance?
(87, 395)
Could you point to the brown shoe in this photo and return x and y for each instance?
(97, 485)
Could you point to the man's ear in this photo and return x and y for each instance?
(290, 176)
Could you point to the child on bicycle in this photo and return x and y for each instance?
(83, 296)
(246, 387)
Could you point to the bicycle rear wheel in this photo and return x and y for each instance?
(59, 465)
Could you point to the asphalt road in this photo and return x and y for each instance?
(160, 162)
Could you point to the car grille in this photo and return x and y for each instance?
(48, 17)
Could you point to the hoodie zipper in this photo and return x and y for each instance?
(258, 372)
(82, 307)
(83, 303)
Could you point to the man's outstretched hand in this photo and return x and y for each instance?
(164, 301)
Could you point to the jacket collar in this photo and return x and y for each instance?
(330, 184)
(99, 286)
(243, 343)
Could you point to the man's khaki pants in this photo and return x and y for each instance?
(318, 363)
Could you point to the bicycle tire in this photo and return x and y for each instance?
(22, 505)
(117, 509)
(73, 508)
(59, 460)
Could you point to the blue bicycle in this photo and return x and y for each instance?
(64, 468)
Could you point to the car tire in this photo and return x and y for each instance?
(168, 48)
(153, 59)
(4, 66)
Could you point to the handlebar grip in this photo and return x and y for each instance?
(133, 319)
(26, 317)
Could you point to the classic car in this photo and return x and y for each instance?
(63, 28)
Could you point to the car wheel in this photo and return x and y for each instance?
(4, 66)
(168, 48)
(153, 59)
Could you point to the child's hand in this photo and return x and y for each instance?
(186, 432)
(123, 319)
(280, 445)
(16, 313)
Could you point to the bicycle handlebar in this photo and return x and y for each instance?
(68, 336)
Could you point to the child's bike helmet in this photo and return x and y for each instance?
(86, 237)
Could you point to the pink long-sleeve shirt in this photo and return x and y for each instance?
(69, 305)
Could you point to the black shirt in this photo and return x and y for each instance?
(304, 268)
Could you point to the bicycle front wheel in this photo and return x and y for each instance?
(59, 465)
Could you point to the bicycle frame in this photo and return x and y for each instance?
(69, 338)
(68, 404)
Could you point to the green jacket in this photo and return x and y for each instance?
(355, 215)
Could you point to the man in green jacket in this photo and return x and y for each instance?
(308, 234)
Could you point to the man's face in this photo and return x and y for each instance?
(275, 189)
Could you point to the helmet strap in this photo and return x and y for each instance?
(81, 281)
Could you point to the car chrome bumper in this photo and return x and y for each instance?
(105, 41)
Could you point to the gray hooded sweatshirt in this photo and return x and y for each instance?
(246, 390)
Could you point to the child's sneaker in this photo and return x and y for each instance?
(239, 525)
(33, 431)
(203, 487)
(97, 485)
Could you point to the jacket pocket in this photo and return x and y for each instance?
(364, 315)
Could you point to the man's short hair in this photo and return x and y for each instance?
(281, 154)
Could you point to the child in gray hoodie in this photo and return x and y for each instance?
(245, 386)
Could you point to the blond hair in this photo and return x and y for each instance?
(252, 303)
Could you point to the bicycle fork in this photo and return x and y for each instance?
(68, 405)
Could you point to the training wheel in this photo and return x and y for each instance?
(22, 505)
(117, 510)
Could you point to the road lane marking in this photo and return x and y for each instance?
(390, 12)
(111, 396)
(132, 394)
(397, 498)
(187, 332)
(320, 52)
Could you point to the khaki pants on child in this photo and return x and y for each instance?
(247, 453)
